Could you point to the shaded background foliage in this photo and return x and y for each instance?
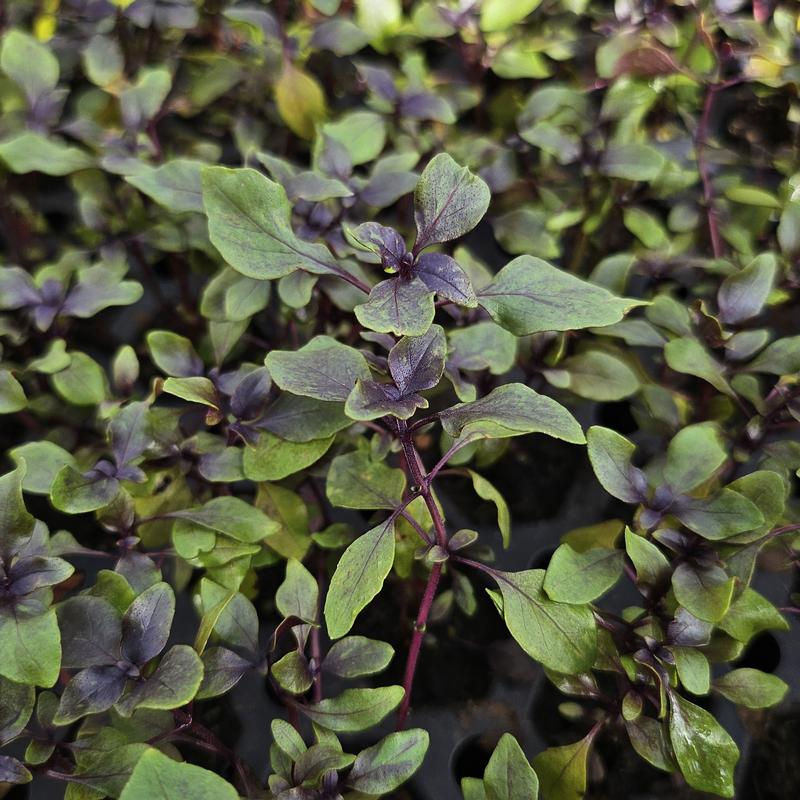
(647, 148)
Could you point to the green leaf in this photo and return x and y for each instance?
(508, 775)
(705, 592)
(354, 709)
(704, 751)
(16, 706)
(531, 296)
(595, 375)
(486, 491)
(292, 673)
(581, 577)
(273, 458)
(288, 509)
(611, 456)
(16, 524)
(651, 565)
(249, 222)
(560, 636)
(195, 390)
(174, 185)
(30, 64)
(388, 764)
(720, 516)
(399, 306)
(781, 357)
(562, 770)
(34, 152)
(82, 383)
(12, 395)
(743, 294)
(449, 201)
(300, 100)
(323, 369)
(499, 15)
(230, 516)
(362, 133)
(631, 162)
(693, 668)
(30, 648)
(158, 777)
(77, 493)
(358, 577)
(356, 656)
(688, 356)
(750, 614)
(751, 688)
(484, 345)
(693, 456)
(511, 410)
(356, 481)
(752, 196)
(173, 684)
(298, 596)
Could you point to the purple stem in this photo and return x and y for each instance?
(417, 471)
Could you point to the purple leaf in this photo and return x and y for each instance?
(99, 287)
(402, 307)
(449, 201)
(385, 242)
(146, 624)
(250, 395)
(223, 670)
(379, 81)
(91, 630)
(17, 289)
(416, 363)
(129, 434)
(13, 771)
(386, 188)
(371, 400)
(424, 105)
(28, 574)
(91, 691)
(443, 275)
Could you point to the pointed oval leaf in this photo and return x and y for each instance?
(560, 636)
(147, 622)
(359, 576)
(705, 752)
(159, 777)
(390, 763)
(508, 775)
(530, 296)
(511, 410)
(249, 222)
(449, 201)
(323, 369)
(354, 709)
